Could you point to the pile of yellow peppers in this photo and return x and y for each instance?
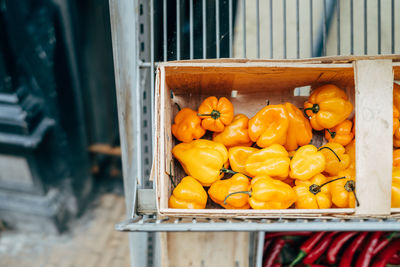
(268, 161)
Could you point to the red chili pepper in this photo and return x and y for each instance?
(317, 265)
(319, 249)
(395, 259)
(337, 244)
(277, 264)
(274, 252)
(307, 246)
(348, 254)
(278, 234)
(367, 253)
(383, 242)
(387, 253)
(266, 245)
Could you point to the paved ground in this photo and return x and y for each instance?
(91, 242)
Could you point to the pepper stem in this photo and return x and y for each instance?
(315, 189)
(351, 187)
(179, 107)
(299, 257)
(215, 114)
(333, 134)
(225, 170)
(170, 174)
(238, 192)
(325, 147)
(314, 109)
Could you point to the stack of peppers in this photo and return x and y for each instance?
(343, 249)
(273, 164)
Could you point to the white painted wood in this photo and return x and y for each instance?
(374, 138)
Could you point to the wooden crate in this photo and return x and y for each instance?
(368, 81)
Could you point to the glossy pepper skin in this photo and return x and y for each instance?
(341, 133)
(396, 187)
(268, 193)
(220, 189)
(396, 116)
(202, 159)
(396, 158)
(327, 106)
(333, 165)
(269, 126)
(187, 126)
(396, 95)
(299, 131)
(238, 156)
(342, 195)
(188, 194)
(272, 161)
(306, 163)
(216, 113)
(307, 200)
(235, 134)
(351, 151)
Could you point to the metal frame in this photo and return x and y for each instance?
(133, 39)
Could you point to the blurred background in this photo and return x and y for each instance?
(61, 188)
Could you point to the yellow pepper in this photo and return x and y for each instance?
(188, 194)
(335, 157)
(235, 134)
(341, 133)
(216, 114)
(396, 122)
(343, 190)
(272, 161)
(396, 95)
(238, 156)
(306, 163)
(313, 194)
(269, 126)
(267, 193)
(187, 126)
(202, 159)
(299, 131)
(351, 151)
(327, 106)
(396, 138)
(396, 158)
(396, 187)
(220, 189)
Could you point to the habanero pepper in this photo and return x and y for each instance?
(351, 151)
(269, 126)
(202, 159)
(366, 255)
(188, 194)
(307, 247)
(338, 243)
(335, 157)
(215, 113)
(327, 106)
(299, 131)
(238, 156)
(348, 254)
(220, 189)
(341, 133)
(395, 202)
(187, 126)
(312, 194)
(307, 162)
(396, 122)
(234, 134)
(321, 247)
(396, 158)
(343, 190)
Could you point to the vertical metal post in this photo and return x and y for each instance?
(351, 27)
(365, 27)
(152, 68)
(165, 47)
(379, 27)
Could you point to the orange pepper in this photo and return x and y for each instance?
(395, 187)
(238, 156)
(396, 122)
(235, 134)
(188, 194)
(396, 158)
(341, 133)
(269, 126)
(187, 126)
(335, 157)
(308, 198)
(351, 151)
(220, 189)
(343, 195)
(299, 131)
(216, 114)
(327, 106)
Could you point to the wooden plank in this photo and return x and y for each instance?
(213, 249)
(374, 142)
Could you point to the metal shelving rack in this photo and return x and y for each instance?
(141, 37)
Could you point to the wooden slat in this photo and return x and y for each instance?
(374, 124)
